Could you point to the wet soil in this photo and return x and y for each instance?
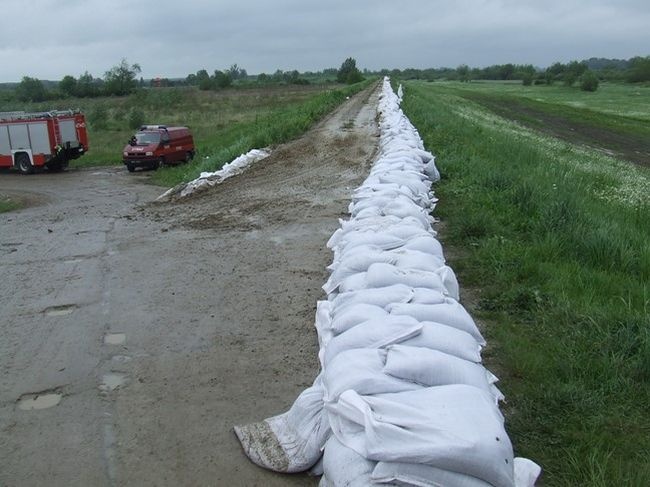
(134, 335)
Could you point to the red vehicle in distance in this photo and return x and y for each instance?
(153, 146)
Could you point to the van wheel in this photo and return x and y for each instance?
(24, 164)
(188, 157)
(130, 167)
(160, 163)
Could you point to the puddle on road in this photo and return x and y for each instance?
(114, 338)
(112, 381)
(31, 402)
(64, 309)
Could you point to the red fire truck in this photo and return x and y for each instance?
(47, 139)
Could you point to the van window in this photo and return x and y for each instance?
(146, 138)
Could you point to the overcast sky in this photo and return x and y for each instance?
(48, 39)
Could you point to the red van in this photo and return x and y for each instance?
(155, 145)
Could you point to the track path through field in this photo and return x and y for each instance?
(133, 336)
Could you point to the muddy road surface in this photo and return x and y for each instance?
(134, 335)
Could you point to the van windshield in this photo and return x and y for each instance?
(146, 138)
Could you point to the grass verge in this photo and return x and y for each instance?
(7, 204)
(554, 240)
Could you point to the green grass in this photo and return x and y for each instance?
(554, 239)
(224, 123)
(7, 204)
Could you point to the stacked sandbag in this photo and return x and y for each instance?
(402, 397)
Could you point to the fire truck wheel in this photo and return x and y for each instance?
(24, 164)
(130, 167)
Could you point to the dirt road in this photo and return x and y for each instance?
(133, 336)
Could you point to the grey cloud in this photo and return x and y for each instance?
(173, 39)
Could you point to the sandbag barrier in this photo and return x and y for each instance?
(402, 397)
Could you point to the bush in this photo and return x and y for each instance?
(589, 81)
(98, 117)
(136, 118)
(527, 79)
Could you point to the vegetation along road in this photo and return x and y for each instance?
(547, 223)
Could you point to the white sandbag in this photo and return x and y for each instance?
(362, 370)
(375, 333)
(449, 313)
(290, 442)
(381, 297)
(355, 282)
(460, 430)
(384, 241)
(526, 472)
(343, 467)
(435, 368)
(354, 315)
(382, 275)
(418, 475)
(426, 244)
(423, 295)
(355, 261)
(414, 259)
(447, 339)
(449, 280)
(323, 322)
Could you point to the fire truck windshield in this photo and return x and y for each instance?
(146, 138)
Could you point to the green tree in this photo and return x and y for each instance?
(87, 86)
(589, 81)
(31, 89)
(68, 85)
(639, 69)
(527, 79)
(221, 79)
(121, 79)
(203, 80)
(463, 72)
(348, 72)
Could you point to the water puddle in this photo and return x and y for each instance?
(114, 338)
(112, 381)
(39, 400)
(64, 309)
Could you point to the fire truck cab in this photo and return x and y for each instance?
(46, 139)
(155, 145)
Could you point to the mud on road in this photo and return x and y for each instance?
(134, 335)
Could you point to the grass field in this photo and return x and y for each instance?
(551, 240)
(225, 123)
(615, 119)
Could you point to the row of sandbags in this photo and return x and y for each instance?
(402, 397)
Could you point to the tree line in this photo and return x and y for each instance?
(122, 79)
(587, 74)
